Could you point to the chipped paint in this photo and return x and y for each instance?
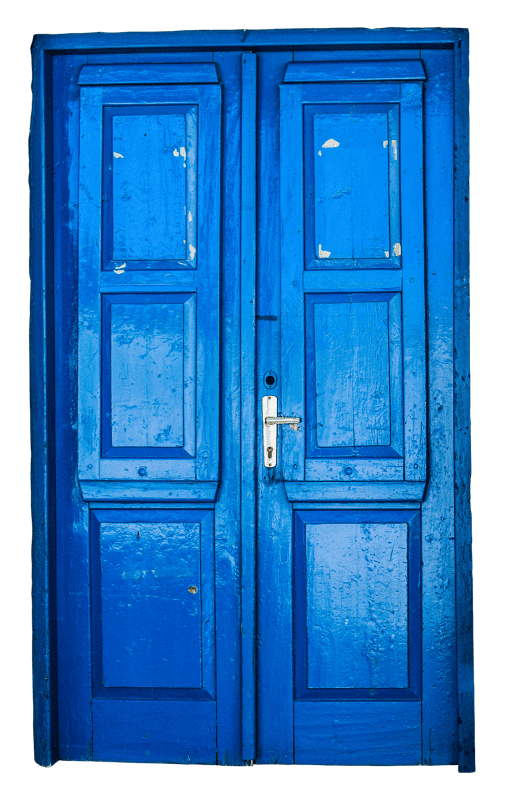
(117, 155)
(387, 254)
(323, 253)
(121, 269)
(385, 143)
(192, 251)
(176, 153)
(394, 146)
(183, 152)
(319, 152)
(330, 143)
(190, 217)
(397, 249)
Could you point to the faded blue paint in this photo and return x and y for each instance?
(165, 501)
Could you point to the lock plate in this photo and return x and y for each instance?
(269, 409)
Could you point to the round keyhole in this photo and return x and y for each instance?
(270, 380)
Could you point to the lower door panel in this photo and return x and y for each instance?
(357, 636)
(153, 635)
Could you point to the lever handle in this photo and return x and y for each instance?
(270, 420)
(293, 422)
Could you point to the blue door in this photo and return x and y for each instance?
(254, 478)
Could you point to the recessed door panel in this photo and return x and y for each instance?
(357, 605)
(149, 375)
(149, 209)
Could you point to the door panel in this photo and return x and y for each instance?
(153, 603)
(149, 286)
(353, 341)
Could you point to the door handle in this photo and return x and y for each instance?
(270, 423)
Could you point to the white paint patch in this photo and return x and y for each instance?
(323, 253)
(394, 146)
(386, 253)
(386, 143)
(397, 249)
(190, 217)
(192, 252)
(120, 270)
(176, 153)
(183, 152)
(118, 155)
(330, 143)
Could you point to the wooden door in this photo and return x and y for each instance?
(227, 225)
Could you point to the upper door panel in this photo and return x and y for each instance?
(149, 224)
(353, 323)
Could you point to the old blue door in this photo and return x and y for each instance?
(234, 232)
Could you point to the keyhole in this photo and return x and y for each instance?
(270, 450)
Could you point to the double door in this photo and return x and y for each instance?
(236, 231)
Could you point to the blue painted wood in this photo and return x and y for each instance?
(152, 637)
(228, 509)
(275, 691)
(144, 731)
(357, 631)
(148, 192)
(338, 374)
(318, 740)
(198, 491)
(352, 182)
(353, 367)
(351, 186)
(149, 218)
(248, 39)
(360, 409)
(381, 734)
(462, 461)
(439, 708)
(193, 456)
(44, 648)
(248, 408)
(408, 53)
(72, 619)
(150, 623)
(148, 375)
(148, 74)
(337, 491)
(357, 582)
(413, 300)
(393, 70)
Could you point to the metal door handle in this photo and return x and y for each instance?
(293, 422)
(270, 422)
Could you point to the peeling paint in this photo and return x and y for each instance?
(330, 143)
(118, 155)
(120, 270)
(319, 152)
(394, 146)
(192, 251)
(183, 152)
(386, 143)
(190, 217)
(397, 249)
(323, 253)
(176, 153)
(387, 254)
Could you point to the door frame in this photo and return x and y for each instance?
(42, 340)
